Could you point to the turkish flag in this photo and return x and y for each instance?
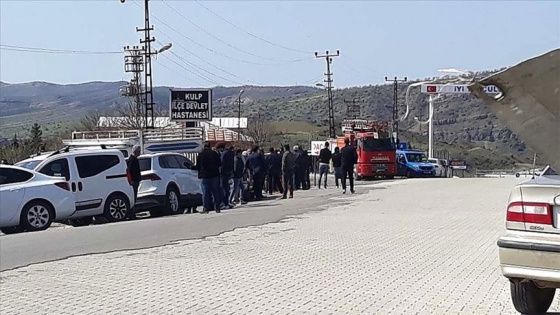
(431, 89)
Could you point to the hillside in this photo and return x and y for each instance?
(461, 120)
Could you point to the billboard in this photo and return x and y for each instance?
(190, 105)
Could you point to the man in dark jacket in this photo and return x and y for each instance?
(208, 165)
(349, 157)
(288, 170)
(300, 167)
(238, 172)
(324, 163)
(337, 163)
(256, 163)
(226, 171)
(274, 164)
(135, 174)
(306, 183)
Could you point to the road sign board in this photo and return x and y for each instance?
(316, 147)
(454, 89)
(458, 164)
(190, 105)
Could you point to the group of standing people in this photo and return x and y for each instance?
(343, 162)
(225, 171)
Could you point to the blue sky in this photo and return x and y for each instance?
(375, 38)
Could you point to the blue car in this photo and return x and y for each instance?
(414, 163)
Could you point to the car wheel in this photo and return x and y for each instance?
(172, 202)
(390, 177)
(37, 216)
(116, 208)
(529, 299)
(12, 229)
(408, 174)
(85, 221)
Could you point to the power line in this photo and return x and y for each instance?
(209, 72)
(190, 71)
(224, 55)
(206, 62)
(249, 33)
(175, 72)
(219, 39)
(56, 51)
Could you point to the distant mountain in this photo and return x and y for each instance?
(459, 119)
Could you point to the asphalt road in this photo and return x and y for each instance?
(25, 249)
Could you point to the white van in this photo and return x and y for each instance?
(97, 177)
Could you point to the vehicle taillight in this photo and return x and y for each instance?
(151, 177)
(530, 212)
(63, 185)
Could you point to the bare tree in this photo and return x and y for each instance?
(129, 115)
(260, 130)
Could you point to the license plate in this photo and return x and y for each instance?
(427, 172)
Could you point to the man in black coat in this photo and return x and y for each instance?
(274, 164)
(208, 165)
(257, 165)
(226, 171)
(135, 174)
(337, 164)
(349, 158)
(325, 156)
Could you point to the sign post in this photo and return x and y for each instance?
(190, 105)
(432, 89)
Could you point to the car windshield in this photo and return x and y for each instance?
(371, 144)
(145, 164)
(416, 157)
(30, 165)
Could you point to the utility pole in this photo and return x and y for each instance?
(353, 109)
(239, 115)
(328, 58)
(134, 63)
(148, 96)
(396, 104)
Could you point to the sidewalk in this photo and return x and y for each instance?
(393, 251)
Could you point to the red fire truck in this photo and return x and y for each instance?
(375, 145)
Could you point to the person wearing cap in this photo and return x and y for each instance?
(135, 174)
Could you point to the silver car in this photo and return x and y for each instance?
(530, 247)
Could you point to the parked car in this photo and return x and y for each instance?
(97, 177)
(169, 184)
(414, 163)
(530, 247)
(440, 167)
(30, 201)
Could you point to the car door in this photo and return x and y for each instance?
(191, 181)
(12, 193)
(93, 187)
(180, 177)
(401, 164)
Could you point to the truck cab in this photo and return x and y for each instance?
(374, 145)
(414, 163)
